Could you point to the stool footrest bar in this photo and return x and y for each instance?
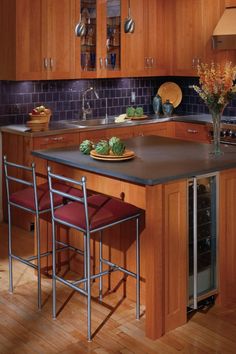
(132, 274)
(22, 260)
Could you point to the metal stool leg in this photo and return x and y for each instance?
(137, 271)
(85, 262)
(53, 270)
(39, 262)
(88, 286)
(10, 250)
(100, 266)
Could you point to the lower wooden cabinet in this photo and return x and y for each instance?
(18, 149)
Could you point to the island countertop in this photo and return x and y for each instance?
(157, 160)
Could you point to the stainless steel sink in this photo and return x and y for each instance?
(92, 122)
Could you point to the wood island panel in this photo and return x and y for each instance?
(227, 238)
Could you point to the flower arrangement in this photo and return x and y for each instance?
(216, 85)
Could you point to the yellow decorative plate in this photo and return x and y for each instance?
(128, 154)
(170, 91)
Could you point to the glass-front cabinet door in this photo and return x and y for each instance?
(100, 44)
(88, 41)
(113, 39)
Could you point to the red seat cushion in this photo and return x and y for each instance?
(25, 197)
(102, 210)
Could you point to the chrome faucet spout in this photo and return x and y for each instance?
(86, 111)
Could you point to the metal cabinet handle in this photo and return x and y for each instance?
(45, 63)
(51, 63)
(101, 63)
(192, 131)
(58, 138)
(106, 62)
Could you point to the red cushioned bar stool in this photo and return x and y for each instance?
(90, 214)
(34, 199)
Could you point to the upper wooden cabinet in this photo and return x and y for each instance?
(187, 29)
(193, 23)
(146, 52)
(98, 51)
(37, 39)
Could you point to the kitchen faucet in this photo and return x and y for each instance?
(88, 110)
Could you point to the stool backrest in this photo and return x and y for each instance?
(52, 178)
(10, 169)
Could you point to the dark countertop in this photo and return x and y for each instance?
(68, 126)
(158, 160)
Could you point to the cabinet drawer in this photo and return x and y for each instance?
(94, 135)
(58, 140)
(190, 131)
(161, 129)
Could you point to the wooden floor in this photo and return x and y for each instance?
(23, 329)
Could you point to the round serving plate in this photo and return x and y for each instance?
(170, 91)
(128, 154)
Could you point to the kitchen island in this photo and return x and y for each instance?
(157, 181)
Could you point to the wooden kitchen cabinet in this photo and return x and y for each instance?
(193, 26)
(187, 40)
(99, 50)
(192, 132)
(37, 39)
(146, 51)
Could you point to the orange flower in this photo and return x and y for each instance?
(216, 84)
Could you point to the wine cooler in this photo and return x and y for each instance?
(203, 229)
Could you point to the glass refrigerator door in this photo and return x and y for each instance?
(202, 238)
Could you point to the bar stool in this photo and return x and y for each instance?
(90, 214)
(34, 199)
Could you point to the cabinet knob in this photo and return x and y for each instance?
(101, 63)
(152, 62)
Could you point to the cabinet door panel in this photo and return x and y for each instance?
(61, 38)
(188, 36)
(134, 43)
(157, 29)
(30, 45)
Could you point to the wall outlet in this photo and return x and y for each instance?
(133, 97)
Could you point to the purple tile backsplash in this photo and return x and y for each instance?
(64, 97)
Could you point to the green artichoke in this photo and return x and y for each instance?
(86, 146)
(102, 147)
(113, 140)
(118, 148)
(130, 111)
(139, 111)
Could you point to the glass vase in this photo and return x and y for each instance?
(216, 122)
